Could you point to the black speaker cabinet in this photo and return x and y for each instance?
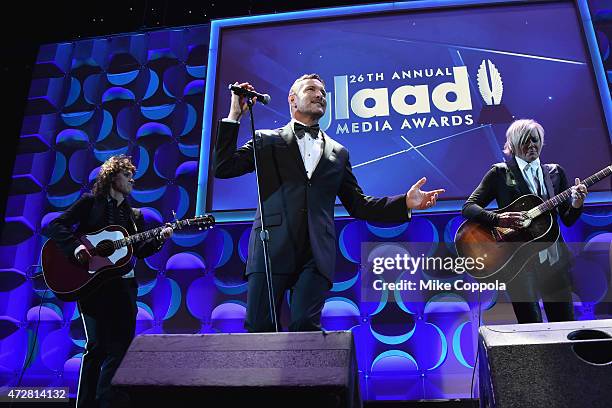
(316, 369)
(550, 365)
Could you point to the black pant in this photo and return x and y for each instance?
(109, 319)
(551, 284)
(307, 297)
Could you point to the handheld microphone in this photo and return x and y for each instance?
(263, 98)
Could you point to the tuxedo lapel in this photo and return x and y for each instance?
(550, 189)
(289, 137)
(327, 151)
(518, 176)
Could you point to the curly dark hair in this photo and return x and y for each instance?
(111, 167)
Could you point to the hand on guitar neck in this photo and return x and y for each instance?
(579, 193)
(102, 256)
(166, 232)
(83, 256)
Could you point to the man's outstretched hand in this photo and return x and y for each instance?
(418, 199)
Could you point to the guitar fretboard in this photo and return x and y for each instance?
(133, 239)
(205, 221)
(563, 196)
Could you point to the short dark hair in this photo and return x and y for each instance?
(305, 77)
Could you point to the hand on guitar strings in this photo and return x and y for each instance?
(512, 220)
(579, 193)
(83, 256)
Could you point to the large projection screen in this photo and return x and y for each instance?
(418, 89)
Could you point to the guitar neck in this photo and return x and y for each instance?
(564, 195)
(152, 233)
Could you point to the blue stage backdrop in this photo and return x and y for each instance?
(418, 91)
(143, 94)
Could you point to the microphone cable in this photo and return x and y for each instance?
(478, 316)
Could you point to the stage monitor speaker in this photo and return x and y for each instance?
(551, 365)
(316, 369)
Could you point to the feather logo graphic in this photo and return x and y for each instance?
(490, 83)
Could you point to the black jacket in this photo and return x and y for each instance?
(88, 215)
(295, 205)
(505, 183)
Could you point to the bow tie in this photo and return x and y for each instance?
(300, 130)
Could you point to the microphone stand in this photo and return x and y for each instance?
(264, 235)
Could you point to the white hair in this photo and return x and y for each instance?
(518, 132)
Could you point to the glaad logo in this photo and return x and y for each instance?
(490, 83)
(419, 96)
(427, 104)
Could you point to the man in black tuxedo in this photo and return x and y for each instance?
(302, 170)
(547, 274)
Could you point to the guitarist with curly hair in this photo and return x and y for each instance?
(109, 312)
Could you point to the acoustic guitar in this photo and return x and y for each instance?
(111, 249)
(504, 252)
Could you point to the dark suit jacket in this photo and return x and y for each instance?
(505, 183)
(293, 204)
(87, 213)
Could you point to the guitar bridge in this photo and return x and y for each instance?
(500, 234)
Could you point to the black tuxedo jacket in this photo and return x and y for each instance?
(295, 205)
(505, 183)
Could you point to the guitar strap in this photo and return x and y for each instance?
(132, 219)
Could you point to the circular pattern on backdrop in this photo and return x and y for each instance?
(219, 247)
(350, 238)
(201, 297)
(462, 339)
(393, 362)
(450, 230)
(59, 168)
(185, 261)
(243, 245)
(163, 160)
(228, 317)
(340, 313)
(387, 231)
(167, 295)
(55, 348)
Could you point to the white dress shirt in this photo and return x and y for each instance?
(311, 149)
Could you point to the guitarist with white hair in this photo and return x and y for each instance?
(546, 275)
(108, 313)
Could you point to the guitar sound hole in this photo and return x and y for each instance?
(105, 248)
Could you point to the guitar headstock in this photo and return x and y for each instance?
(206, 221)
